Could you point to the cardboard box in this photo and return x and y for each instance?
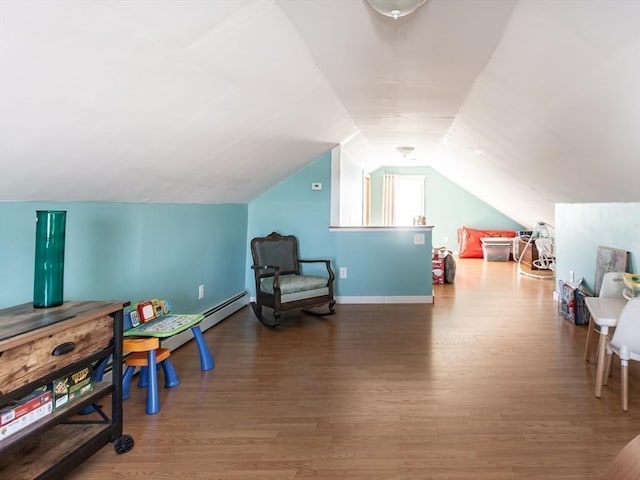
(71, 387)
(25, 412)
(23, 406)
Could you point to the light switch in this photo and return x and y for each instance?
(418, 238)
(316, 186)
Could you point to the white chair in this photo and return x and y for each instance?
(626, 344)
(612, 287)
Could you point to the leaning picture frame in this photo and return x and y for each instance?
(608, 260)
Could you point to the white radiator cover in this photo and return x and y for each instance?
(212, 316)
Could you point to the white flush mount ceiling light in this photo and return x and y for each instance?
(395, 8)
(405, 151)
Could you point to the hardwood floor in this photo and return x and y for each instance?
(486, 383)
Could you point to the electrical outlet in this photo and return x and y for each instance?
(418, 239)
(343, 272)
(200, 292)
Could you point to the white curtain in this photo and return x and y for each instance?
(389, 184)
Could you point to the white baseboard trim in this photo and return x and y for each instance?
(385, 299)
(374, 300)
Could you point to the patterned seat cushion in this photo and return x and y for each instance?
(290, 284)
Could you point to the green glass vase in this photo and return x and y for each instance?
(48, 282)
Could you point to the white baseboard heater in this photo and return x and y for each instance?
(212, 316)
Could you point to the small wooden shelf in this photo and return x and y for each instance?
(100, 389)
(44, 455)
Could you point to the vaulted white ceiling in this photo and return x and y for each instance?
(524, 103)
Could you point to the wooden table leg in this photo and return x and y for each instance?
(590, 333)
(602, 350)
(624, 379)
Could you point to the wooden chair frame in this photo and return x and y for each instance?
(266, 264)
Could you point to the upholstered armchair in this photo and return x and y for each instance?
(280, 283)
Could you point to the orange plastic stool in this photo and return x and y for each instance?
(146, 353)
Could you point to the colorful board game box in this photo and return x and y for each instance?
(24, 405)
(25, 411)
(71, 387)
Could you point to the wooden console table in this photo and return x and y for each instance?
(38, 346)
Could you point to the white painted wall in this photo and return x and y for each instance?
(350, 193)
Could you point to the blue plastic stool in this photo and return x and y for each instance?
(146, 352)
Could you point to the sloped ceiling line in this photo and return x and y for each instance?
(192, 97)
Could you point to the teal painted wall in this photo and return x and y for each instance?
(450, 207)
(124, 251)
(384, 263)
(292, 208)
(378, 263)
(581, 228)
(447, 206)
